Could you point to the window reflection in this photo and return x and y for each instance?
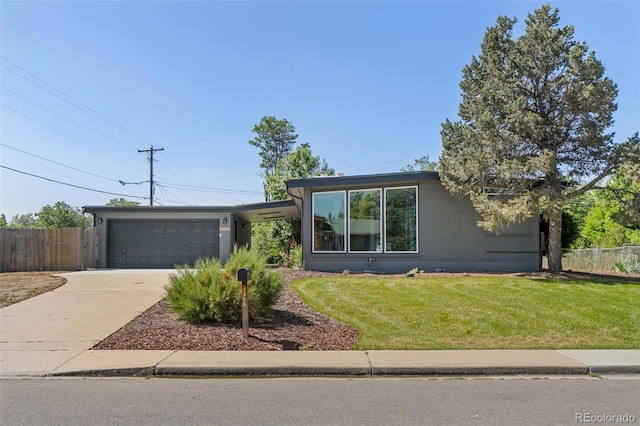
(328, 221)
(365, 224)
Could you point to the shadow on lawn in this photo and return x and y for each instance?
(578, 277)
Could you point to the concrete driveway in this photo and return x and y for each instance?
(43, 332)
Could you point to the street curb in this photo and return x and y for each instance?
(480, 371)
(263, 371)
(346, 371)
(614, 369)
(116, 372)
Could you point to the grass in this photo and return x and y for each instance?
(480, 312)
(18, 286)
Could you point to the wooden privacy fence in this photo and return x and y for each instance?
(64, 249)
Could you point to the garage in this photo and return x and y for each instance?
(161, 243)
(160, 237)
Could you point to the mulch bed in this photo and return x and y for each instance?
(293, 326)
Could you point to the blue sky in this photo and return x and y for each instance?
(366, 84)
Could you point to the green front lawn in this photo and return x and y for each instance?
(480, 312)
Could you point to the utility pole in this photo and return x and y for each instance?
(151, 151)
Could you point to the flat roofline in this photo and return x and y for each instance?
(146, 209)
(385, 178)
(191, 209)
(257, 212)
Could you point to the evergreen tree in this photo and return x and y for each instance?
(422, 164)
(534, 116)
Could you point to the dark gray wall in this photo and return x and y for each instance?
(242, 230)
(102, 219)
(448, 239)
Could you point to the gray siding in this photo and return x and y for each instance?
(102, 219)
(448, 239)
(242, 231)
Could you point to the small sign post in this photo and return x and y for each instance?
(244, 275)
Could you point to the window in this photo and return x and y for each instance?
(372, 213)
(329, 221)
(401, 219)
(365, 222)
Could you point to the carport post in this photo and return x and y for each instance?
(244, 275)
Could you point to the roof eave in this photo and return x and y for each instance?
(296, 185)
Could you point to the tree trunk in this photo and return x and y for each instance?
(554, 254)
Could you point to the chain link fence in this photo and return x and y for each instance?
(620, 259)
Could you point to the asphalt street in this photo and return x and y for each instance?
(322, 401)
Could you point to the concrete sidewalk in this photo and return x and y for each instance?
(51, 335)
(348, 363)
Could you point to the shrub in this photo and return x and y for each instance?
(628, 263)
(189, 290)
(296, 256)
(211, 293)
(265, 284)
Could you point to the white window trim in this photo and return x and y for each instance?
(313, 225)
(381, 227)
(417, 250)
(383, 220)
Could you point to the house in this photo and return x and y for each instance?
(382, 223)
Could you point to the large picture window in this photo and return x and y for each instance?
(329, 216)
(401, 219)
(365, 222)
(372, 214)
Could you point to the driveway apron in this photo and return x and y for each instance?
(39, 334)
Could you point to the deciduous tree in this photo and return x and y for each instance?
(275, 139)
(121, 202)
(280, 162)
(62, 215)
(23, 221)
(298, 164)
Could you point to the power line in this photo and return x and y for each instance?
(70, 184)
(185, 167)
(165, 190)
(209, 189)
(79, 105)
(55, 162)
(67, 136)
(64, 117)
(74, 102)
(90, 111)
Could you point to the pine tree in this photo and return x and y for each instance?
(534, 120)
